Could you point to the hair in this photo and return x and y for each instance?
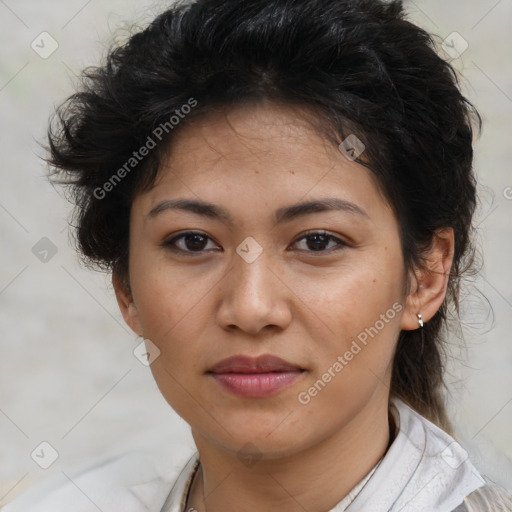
(358, 66)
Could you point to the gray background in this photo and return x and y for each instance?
(68, 375)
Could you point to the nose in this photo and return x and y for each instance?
(254, 297)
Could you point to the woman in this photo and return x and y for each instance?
(283, 191)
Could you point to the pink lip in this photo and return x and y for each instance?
(255, 377)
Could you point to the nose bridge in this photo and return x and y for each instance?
(252, 280)
(252, 295)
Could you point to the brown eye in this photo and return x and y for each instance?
(319, 241)
(188, 242)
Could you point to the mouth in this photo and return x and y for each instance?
(258, 377)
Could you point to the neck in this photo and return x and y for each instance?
(316, 478)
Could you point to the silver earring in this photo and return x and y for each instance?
(420, 321)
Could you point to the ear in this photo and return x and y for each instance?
(428, 286)
(126, 304)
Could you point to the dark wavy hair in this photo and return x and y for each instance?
(357, 65)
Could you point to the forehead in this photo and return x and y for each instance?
(263, 152)
(261, 130)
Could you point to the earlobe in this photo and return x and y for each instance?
(126, 304)
(429, 285)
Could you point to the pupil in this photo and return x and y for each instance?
(195, 241)
(319, 241)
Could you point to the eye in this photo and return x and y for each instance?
(318, 241)
(188, 242)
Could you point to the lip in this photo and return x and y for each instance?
(246, 364)
(255, 376)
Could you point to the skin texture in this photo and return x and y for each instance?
(302, 305)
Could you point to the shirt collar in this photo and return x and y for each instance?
(424, 469)
(176, 501)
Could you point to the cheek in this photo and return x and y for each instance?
(348, 299)
(169, 299)
(355, 313)
(354, 363)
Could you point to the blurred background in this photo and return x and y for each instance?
(68, 374)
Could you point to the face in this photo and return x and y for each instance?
(249, 273)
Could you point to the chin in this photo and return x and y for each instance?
(270, 436)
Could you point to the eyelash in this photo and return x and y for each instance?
(170, 244)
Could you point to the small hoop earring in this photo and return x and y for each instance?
(420, 321)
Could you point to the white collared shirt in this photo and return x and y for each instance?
(424, 470)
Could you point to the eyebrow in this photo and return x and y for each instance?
(281, 215)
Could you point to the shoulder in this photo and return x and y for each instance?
(134, 482)
(444, 456)
(488, 498)
(425, 469)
